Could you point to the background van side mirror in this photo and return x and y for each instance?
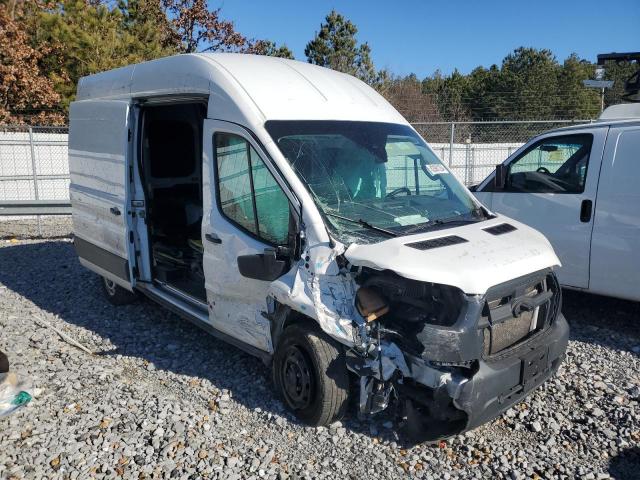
(500, 177)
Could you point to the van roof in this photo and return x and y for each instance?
(252, 88)
(624, 114)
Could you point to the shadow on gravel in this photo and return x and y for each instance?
(626, 465)
(49, 275)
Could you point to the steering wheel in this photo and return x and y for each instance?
(398, 191)
(543, 170)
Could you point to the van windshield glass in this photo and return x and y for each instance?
(373, 180)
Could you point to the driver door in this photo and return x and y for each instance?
(246, 211)
(551, 186)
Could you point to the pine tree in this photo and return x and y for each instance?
(335, 46)
(267, 47)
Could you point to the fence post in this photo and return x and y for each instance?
(467, 164)
(453, 130)
(35, 175)
(472, 173)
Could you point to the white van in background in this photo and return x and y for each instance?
(293, 212)
(580, 186)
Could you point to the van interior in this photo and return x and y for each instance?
(171, 171)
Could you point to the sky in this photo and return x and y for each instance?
(412, 36)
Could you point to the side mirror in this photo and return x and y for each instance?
(262, 266)
(500, 177)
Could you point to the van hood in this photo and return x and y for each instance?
(480, 260)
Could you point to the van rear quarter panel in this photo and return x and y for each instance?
(615, 245)
(98, 149)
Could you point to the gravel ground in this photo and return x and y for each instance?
(48, 226)
(160, 399)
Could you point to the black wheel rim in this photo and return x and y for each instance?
(297, 378)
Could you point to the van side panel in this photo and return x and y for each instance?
(615, 246)
(98, 151)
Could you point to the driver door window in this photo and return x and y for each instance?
(248, 194)
(552, 165)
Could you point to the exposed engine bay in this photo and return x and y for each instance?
(427, 343)
(444, 360)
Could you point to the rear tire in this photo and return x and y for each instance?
(310, 374)
(116, 294)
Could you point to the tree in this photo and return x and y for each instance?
(267, 47)
(89, 38)
(146, 21)
(194, 27)
(406, 95)
(198, 28)
(529, 77)
(335, 46)
(449, 93)
(26, 94)
(529, 85)
(619, 72)
(574, 99)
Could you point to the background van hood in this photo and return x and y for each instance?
(474, 266)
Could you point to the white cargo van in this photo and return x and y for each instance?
(291, 211)
(579, 186)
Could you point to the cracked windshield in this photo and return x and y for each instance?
(373, 180)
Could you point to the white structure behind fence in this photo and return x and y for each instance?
(34, 164)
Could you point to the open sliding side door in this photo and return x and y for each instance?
(100, 148)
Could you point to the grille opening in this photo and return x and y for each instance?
(504, 329)
(493, 304)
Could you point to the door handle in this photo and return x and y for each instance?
(212, 238)
(585, 211)
(115, 211)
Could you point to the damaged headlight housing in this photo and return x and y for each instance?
(389, 296)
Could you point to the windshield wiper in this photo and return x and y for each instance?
(364, 223)
(444, 221)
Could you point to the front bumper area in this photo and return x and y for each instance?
(464, 402)
(500, 383)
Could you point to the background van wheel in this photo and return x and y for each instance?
(116, 294)
(310, 374)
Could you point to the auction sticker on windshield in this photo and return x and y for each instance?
(435, 168)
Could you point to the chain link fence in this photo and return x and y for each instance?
(34, 162)
(34, 165)
(472, 150)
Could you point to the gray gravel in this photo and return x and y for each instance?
(30, 227)
(160, 399)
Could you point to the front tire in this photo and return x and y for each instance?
(116, 294)
(311, 376)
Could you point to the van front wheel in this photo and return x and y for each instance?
(116, 294)
(311, 375)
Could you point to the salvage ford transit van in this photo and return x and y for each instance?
(291, 211)
(579, 186)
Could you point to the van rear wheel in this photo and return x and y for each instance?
(310, 374)
(116, 294)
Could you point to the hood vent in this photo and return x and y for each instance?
(437, 242)
(500, 229)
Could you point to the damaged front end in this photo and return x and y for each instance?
(452, 361)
